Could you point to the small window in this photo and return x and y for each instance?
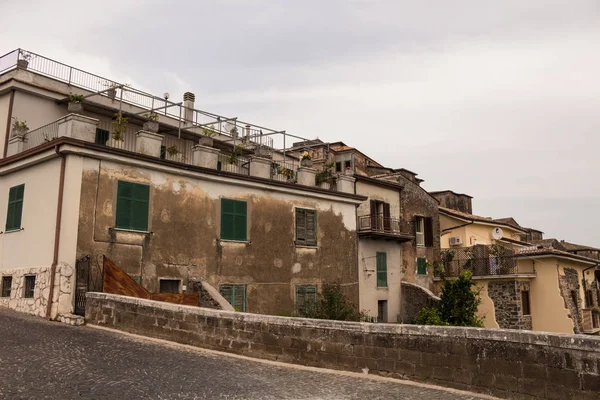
(589, 299)
(306, 227)
(163, 152)
(169, 285)
(132, 206)
(6, 286)
(306, 299)
(421, 266)
(235, 295)
(381, 270)
(15, 207)
(29, 286)
(347, 164)
(338, 166)
(101, 136)
(424, 231)
(234, 219)
(525, 302)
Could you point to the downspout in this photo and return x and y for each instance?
(61, 186)
(8, 118)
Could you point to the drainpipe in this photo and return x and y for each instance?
(61, 186)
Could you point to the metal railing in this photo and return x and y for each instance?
(41, 135)
(284, 171)
(377, 223)
(126, 142)
(237, 165)
(481, 260)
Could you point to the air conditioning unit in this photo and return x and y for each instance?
(456, 241)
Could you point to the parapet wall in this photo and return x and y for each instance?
(505, 363)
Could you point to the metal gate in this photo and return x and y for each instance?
(82, 276)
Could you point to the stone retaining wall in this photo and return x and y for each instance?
(505, 363)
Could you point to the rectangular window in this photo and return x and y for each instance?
(306, 299)
(420, 231)
(234, 219)
(102, 136)
(6, 286)
(421, 266)
(381, 269)
(338, 166)
(132, 206)
(235, 295)
(347, 164)
(29, 286)
(15, 207)
(306, 227)
(525, 302)
(169, 285)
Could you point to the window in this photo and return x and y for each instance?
(525, 302)
(6, 286)
(132, 206)
(589, 299)
(347, 164)
(338, 166)
(15, 207)
(306, 227)
(169, 285)
(101, 136)
(380, 216)
(235, 295)
(163, 152)
(233, 219)
(29, 286)
(424, 231)
(381, 269)
(421, 266)
(306, 299)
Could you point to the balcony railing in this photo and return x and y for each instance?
(41, 135)
(378, 225)
(481, 260)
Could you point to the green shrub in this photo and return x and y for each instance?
(430, 316)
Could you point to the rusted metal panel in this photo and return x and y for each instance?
(117, 281)
(186, 299)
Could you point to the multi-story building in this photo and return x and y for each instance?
(536, 285)
(170, 193)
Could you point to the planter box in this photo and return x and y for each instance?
(306, 163)
(76, 108)
(150, 126)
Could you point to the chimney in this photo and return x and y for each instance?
(188, 106)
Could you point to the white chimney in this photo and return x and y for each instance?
(188, 106)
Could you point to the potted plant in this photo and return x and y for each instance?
(112, 90)
(288, 173)
(23, 61)
(174, 152)
(207, 138)
(152, 124)
(324, 178)
(19, 128)
(75, 105)
(306, 160)
(119, 126)
(237, 151)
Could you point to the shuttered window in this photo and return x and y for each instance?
(101, 136)
(421, 266)
(424, 231)
(381, 269)
(306, 227)
(428, 225)
(234, 219)
(15, 207)
(306, 299)
(132, 206)
(235, 295)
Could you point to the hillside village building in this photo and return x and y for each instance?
(189, 197)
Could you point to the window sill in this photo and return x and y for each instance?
(14, 230)
(234, 241)
(305, 246)
(130, 230)
(383, 288)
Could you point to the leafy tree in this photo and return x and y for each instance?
(332, 303)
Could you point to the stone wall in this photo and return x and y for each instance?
(414, 298)
(505, 363)
(569, 288)
(506, 296)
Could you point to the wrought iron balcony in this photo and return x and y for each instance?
(481, 260)
(378, 226)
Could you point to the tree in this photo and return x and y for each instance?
(458, 304)
(332, 303)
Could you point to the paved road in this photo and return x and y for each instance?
(48, 360)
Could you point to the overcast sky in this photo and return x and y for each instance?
(496, 99)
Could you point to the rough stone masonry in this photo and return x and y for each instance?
(504, 363)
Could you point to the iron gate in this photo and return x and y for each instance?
(82, 276)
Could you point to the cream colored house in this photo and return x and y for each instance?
(523, 285)
(175, 196)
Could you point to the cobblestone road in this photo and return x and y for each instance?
(48, 360)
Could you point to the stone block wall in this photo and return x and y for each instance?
(506, 296)
(414, 298)
(569, 290)
(505, 363)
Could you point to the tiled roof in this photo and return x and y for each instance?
(550, 243)
(576, 247)
(551, 251)
(472, 217)
(509, 221)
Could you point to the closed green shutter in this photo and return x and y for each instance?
(306, 227)
(15, 207)
(422, 266)
(235, 295)
(306, 299)
(132, 206)
(381, 269)
(234, 215)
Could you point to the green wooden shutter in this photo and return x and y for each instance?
(306, 299)
(132, 206)
(422, 266)
(235, 295)
(15, 207)
(381, 269)
(234, 215)
(300, 226)
(311, 227)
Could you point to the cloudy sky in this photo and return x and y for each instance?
(497, 99)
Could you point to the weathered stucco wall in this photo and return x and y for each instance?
(183, 238)
(508, 364)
